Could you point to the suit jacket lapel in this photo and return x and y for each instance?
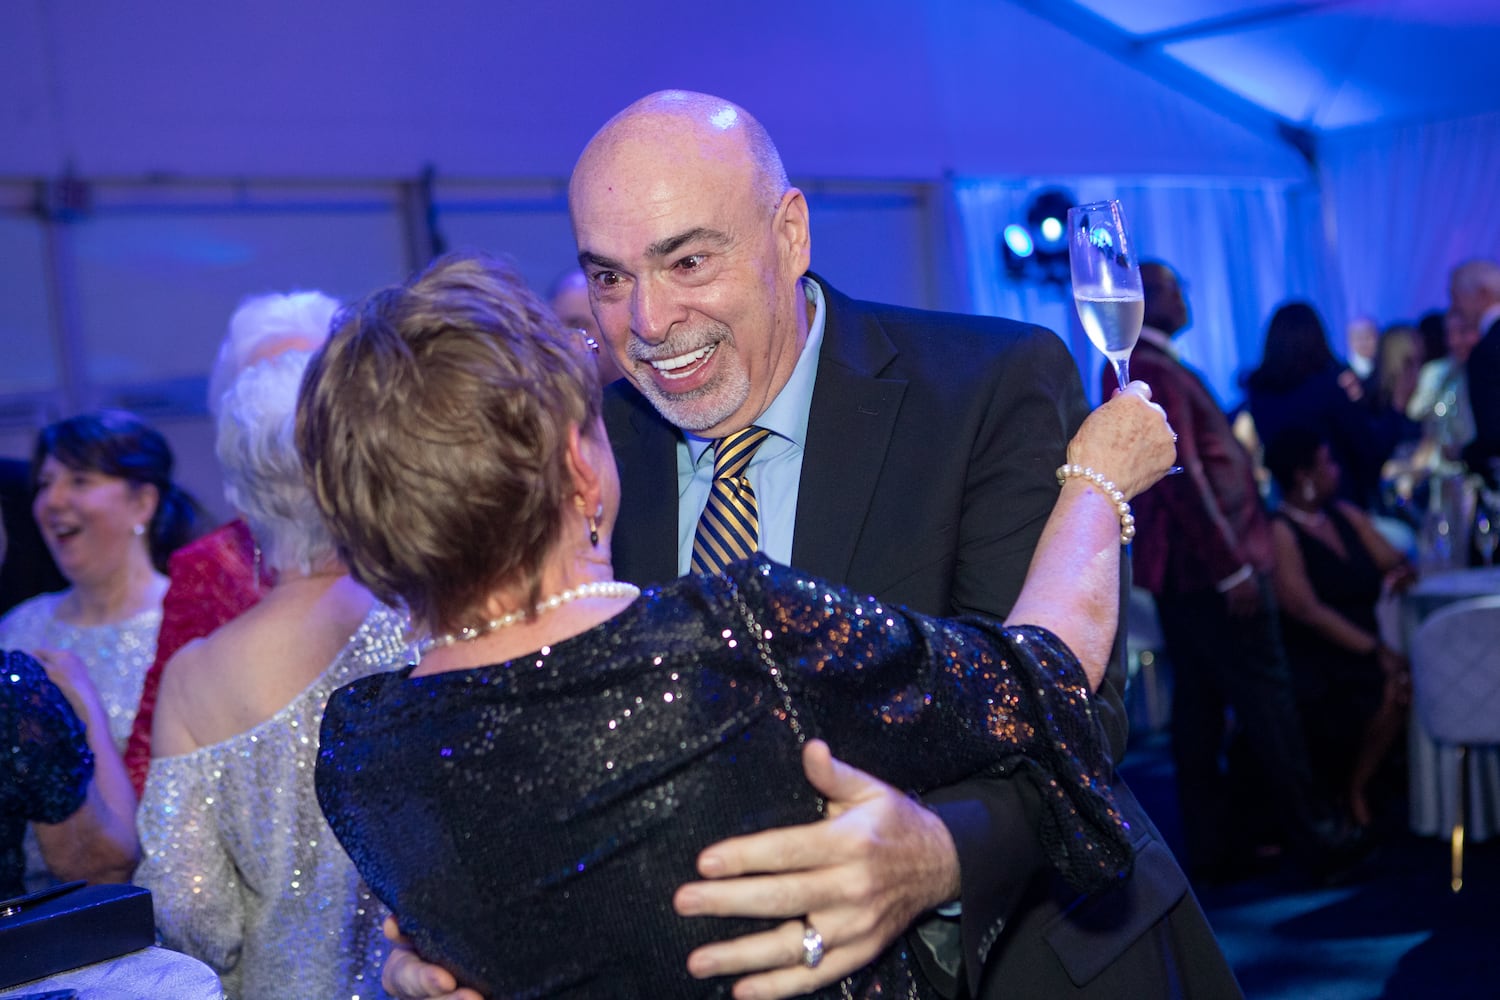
(644, 546)
(849, 428)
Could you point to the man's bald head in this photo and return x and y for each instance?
(671, 123)
(1473, 287)
(695, 246)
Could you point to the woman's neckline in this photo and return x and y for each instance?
(74, 609)
(466, 652)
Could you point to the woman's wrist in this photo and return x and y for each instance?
(1112, 492)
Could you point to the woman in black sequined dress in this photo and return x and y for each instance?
(529, 796)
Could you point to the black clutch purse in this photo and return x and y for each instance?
(71, 925)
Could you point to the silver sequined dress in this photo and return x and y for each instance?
(245, 873)
(117, 655)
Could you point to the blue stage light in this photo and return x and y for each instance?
(1037, 249)
(1019, 240)
(1045, 215)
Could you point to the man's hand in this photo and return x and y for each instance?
(407, 977)
(1400, 579)
(860, 876)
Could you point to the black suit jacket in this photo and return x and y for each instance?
(929, 470)
(1483, 373)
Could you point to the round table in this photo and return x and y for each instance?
(148, 974)
(1438, 589)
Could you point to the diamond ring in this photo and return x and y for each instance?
(812, 945)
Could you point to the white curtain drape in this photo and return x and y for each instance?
(1407, 204)
(1241, 248)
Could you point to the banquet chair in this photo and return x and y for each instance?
(1455, 672)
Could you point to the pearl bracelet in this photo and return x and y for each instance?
(1109, 489)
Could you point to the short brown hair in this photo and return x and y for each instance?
(433, 426)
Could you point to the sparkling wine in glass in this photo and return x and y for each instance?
(1106, 281)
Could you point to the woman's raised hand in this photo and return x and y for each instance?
(1127, 440)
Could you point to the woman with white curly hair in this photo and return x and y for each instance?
(218, 577)
(245, 873)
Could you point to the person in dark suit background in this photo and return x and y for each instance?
(1203, 548)
(568, 297)
(27, 568)
(1474, 290)
(911, 455)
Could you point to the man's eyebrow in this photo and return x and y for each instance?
(661, 248)
(587, 258)
(670, 245)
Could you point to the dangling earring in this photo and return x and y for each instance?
(594, 526)
(139, 529)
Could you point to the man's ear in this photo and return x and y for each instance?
(792, 232)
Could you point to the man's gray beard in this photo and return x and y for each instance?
(704, 407)
(708, 405)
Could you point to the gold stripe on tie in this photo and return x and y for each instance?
(729, 527)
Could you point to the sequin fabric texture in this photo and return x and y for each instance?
(244, 872)
(45, 761)
(212, 581)
(529, 821)
(116, 655)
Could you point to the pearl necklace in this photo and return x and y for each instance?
(599, 588)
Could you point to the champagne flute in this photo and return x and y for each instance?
(1106, 281)
(1107, 284)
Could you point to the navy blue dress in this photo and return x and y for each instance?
(45, 761)
(1359, 440)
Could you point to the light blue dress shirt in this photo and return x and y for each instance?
(776, 469)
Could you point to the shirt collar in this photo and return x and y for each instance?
(1156, 338)
(786, 417)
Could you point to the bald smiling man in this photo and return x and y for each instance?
(912, 456)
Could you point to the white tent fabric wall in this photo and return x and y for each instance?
(1241, 247)
(1408, 203)
(174, 95)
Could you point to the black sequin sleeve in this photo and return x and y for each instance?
(48, 762)
(46, 765)
(923, 702)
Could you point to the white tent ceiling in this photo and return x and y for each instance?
(883, 88)
(1319, 64)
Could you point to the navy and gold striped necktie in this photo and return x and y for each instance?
(730, 526)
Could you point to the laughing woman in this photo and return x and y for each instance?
(111, 515)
